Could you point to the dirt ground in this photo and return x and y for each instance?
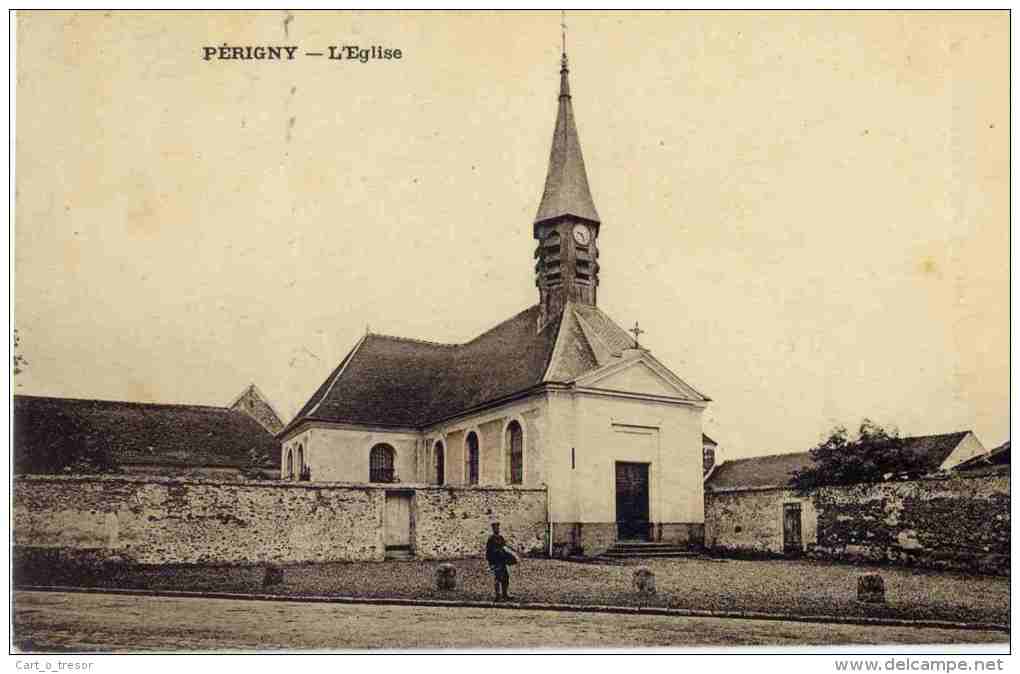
(777, 586)
(69, 622)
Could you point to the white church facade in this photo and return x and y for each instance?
(558, 396)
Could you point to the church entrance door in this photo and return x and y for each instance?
(398, 525)
(631, 501)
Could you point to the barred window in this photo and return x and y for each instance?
(380, 464)
(290, 466)
(514, 453)
(471, 457)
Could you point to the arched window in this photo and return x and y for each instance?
(514, 453)
(302, 471)
(380, 464)
(440, 466)
(471, 457)
(289, 466)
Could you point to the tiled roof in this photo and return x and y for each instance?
(384, 380)
(930, 451)
(578, 351)
(609, 333)
(508, 359)
(1000, 455)
(393, 381)
(758, 472)
(396, 382)
(997, 457)
(925, 455)
(50, 433)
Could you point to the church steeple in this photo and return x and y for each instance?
(567, 224)
(566, 183)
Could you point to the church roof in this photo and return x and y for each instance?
(566, 183)
(50, 433)
(396, 382)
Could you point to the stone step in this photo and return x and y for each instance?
(617, 554)
(649, 547)
(643, 549)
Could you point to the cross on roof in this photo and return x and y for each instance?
(637, 331)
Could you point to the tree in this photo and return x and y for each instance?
(90, 456)
(61, 440)
(872, 455)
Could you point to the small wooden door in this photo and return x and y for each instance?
(398, 524)
(631, 501)
(792, 542)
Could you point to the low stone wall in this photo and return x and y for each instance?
(451, 522)
(956, 522)
(152, 520)
(953, 522)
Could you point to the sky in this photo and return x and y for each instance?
(808, 212)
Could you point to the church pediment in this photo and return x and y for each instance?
(643, 376)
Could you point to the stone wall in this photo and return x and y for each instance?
(954, 522)
(957, 522)
(452, 522)
(752, 520)
(152, 520)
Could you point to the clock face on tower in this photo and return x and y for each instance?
(581, 234)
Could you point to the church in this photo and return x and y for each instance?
(558, 396)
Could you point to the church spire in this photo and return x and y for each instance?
(567, 224)
(566, 183)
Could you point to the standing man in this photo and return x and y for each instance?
(497, 558)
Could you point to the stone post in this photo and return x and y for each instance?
(644, 580)
(446, 577)
(273, 575)
(871, 588)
